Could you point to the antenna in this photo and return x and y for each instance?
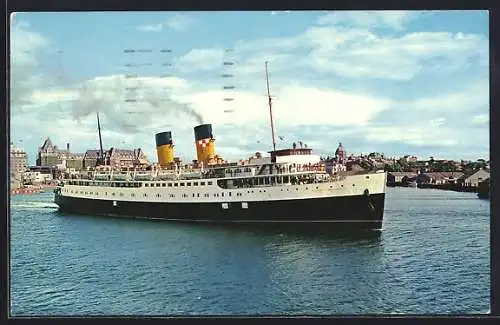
(101, 157)
(270, 109)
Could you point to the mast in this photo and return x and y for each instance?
(270, 109)
(101, 155)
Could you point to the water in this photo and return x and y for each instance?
(432, 257)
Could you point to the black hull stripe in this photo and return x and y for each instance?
(331, 210)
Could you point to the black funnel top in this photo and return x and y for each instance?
(163, 138)
(203, 131)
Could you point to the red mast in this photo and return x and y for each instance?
(270, 109)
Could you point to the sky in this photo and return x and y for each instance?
(395, 82)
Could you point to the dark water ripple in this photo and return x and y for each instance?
(432, 257)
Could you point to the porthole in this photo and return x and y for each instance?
(145, 195)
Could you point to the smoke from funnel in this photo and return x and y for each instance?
(108, 99)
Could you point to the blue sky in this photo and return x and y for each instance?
(394, 82)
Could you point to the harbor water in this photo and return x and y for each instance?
(432, 257)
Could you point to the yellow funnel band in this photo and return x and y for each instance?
(165, 154)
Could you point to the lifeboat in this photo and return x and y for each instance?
(143, 176)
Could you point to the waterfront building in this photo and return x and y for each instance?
(50, 155)
(476, 178)
(116, 158)
(18, 164)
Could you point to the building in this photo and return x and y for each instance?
(37, 177)
(476, 178)
(116, 158)
(439, 178)
(75, 161)
(18, 165)
(126, 158)
(395, 178)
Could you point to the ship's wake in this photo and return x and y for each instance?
(34, 205)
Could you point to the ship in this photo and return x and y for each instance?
(285, 187)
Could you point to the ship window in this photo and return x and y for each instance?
(182, 184)
(132, 195)
(188, 184)
(331, 187)
(195, 184)
(169, 184)
(163, 184)
(207, 195)
(317, 187)
(145, 195)
(121, 194)
(146, 184)
(229, 193)
(202, 183)
(267, 180)
(353, 184)
(96, 193)
(158, 184)
(367, 177)
(176, 184)
(222, 194)
(209, 183)
(342, 185)
(184, 195)
(193, 194)
(172, 195)
(113, 194)
(105, 193)
(198, 194)
(158, 195)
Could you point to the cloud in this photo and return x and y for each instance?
(363, 54)
(201, 59)
(353, 52)
(150, 28)
(331, 84)
(179, 22)
(395, 19)
(25, 72)
(469, 97)
(481, 119)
